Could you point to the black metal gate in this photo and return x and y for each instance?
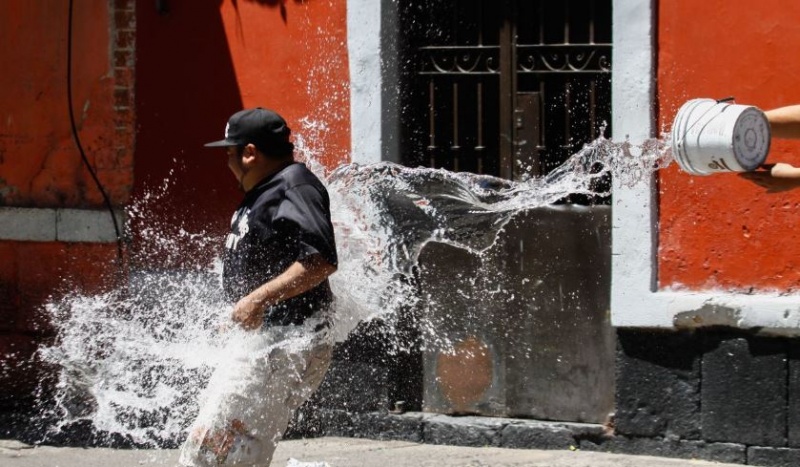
(509, 88)
(512, 88)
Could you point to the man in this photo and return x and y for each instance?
(784, 122)
(278, 257)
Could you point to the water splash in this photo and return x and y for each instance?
(133, 361)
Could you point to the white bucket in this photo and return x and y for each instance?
(709, 136)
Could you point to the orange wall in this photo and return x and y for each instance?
(721, 231)
(39, 163)
(194, 66)
(203, 61)
(294, 59)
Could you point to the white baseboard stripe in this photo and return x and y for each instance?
(58, 225)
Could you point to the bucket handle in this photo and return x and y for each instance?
(726, 99)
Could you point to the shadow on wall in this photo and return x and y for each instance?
(186, 88)
(272, 4)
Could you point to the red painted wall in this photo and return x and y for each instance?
(721, 231)
(39, 162)
(41, 167)
(194, 66)
(200, 62)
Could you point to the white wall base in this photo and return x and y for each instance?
(58, 225)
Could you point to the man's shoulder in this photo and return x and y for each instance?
(298, 174)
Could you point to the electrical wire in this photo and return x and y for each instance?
(77, 138)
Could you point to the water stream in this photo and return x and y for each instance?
(133, 361)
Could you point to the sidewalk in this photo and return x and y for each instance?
(343, 452)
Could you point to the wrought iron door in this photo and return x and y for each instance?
(509, 88)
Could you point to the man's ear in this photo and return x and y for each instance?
(249, 154)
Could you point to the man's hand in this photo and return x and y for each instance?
(778, 177)
(248, 313)
(298, 278)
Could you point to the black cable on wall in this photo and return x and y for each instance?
(77, 138)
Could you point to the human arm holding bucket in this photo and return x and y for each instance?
(298, 278)
(778, 177)
(784, 122)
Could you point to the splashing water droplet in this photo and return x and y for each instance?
(133, 361)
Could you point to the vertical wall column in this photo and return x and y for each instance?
(364, 50)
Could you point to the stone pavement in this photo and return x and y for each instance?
(343, 452)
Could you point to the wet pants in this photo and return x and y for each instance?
(252, 395)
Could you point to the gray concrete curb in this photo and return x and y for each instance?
(343, 452)
(469, 431)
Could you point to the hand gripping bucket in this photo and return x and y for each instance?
(710, 136)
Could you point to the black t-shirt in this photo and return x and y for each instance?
(283, 219)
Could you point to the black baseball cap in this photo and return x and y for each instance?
(261, 127)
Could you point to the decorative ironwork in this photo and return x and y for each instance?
(564, 58)
(509, 88)
(467, 60)
(485, 60)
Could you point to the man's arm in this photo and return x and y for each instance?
(779, 177)
(300, 277)
(784, 122)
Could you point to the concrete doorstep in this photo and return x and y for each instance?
(342, 452)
